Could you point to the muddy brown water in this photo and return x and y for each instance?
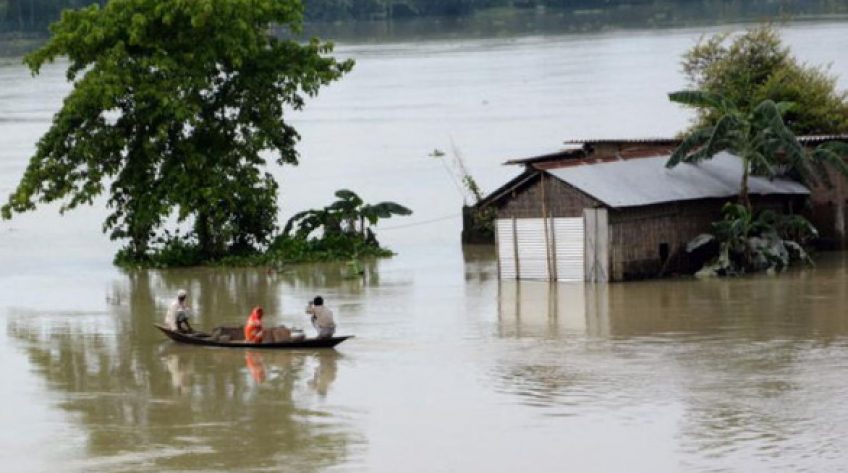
(449, 370)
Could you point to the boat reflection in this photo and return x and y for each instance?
(315, 369)
(254, 364)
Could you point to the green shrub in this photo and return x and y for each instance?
(767, 241)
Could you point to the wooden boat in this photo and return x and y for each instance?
(200, 338)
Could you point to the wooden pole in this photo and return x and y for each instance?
(554, 250)
(498, 249)
(515, 250)
(545, 228)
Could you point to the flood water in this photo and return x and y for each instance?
(450, 370)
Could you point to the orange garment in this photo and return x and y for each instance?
(253, 329)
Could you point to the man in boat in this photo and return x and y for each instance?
(253, 328)
(177, 316)
(322, 318)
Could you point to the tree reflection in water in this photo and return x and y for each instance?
(148, 404)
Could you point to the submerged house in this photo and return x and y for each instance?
(610, 211)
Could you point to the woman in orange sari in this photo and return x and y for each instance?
(253, 329)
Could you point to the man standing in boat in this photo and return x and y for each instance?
(322, 318)
(177, 316)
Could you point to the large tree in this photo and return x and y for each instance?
(756, 66)
(175, 107)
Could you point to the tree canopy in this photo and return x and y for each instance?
(175, 107)
(755, 66)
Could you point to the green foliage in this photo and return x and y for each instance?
(748, 242)
(172, 252)
(755, 66)
(176, 251)
(759, 137)
(755, 137)
(175, 106)
(483, 223)
(348, 215)
(471, 185)
(339, 231)
(338, 247)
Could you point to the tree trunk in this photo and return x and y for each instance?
(204, 236)
(743, 188)
(139, 240)
(745, 201)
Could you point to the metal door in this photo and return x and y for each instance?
(569, 248)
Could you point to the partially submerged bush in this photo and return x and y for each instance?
(342, 231)
(747, 242)
(286, 249)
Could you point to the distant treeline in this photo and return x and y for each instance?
(33, 16)
(339, 10)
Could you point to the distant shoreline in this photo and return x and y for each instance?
(505, 22)
(491, 24)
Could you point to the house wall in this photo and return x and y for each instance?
(636, 234)
(563, 200)
(828, 209)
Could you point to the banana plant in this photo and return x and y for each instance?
(767, 241)
(348, 215)
(759, 138)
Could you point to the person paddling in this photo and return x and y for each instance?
(322, 318)
(253, 329)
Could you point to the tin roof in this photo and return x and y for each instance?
(807, 139)
(561, 155)
(625, 141)
(646, 181)
(577, 149)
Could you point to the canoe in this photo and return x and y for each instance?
(200, 338)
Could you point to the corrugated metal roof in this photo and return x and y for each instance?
(646, 181)
(666, 140)
(576, 147)
(810, 139)
(563, 154)
(619, 141)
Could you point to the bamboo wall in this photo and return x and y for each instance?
(561, 200)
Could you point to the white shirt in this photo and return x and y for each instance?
(173, 311)
(323, 316)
